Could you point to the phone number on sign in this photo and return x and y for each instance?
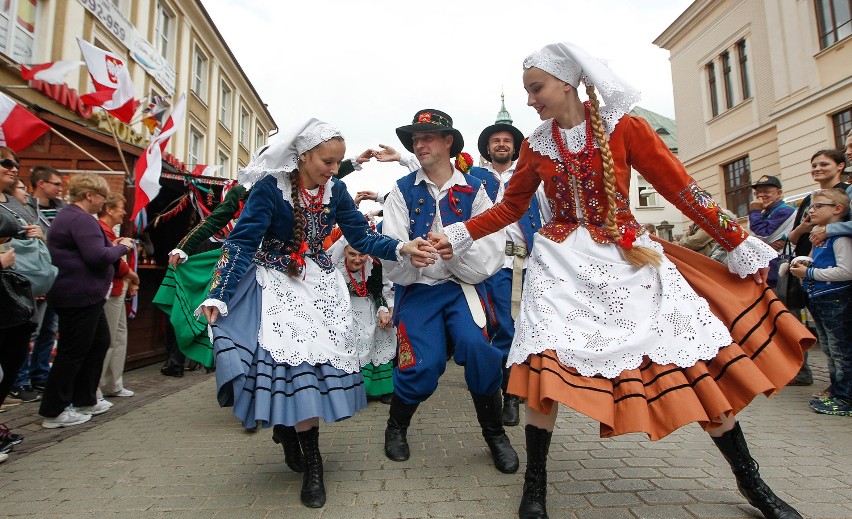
(104, 14)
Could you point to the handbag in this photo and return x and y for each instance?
(33, 261)
(17, 304)
(788, 287)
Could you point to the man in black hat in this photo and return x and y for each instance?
(440, 301)
(770, 218)
(499, 144)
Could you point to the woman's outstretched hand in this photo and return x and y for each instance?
(761, 275)
(421, 252)
(442, 245)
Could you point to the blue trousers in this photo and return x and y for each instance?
(499, 287)
(834, 331)
(426, 316)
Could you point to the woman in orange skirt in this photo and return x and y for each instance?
(638, 334)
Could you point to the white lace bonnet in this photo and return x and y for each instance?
(283, 154)
(570, 63)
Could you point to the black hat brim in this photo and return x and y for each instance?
(486, 134)
(406, 136)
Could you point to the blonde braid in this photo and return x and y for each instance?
(637, 256)
(293, 268)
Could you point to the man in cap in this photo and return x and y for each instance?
(439, 301)
(500, 144)
(770, 218)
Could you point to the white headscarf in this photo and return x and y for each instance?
(570, 63)
(337, 253)
(283, 154)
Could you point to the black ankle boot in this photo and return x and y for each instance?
(490, 416)
(757, 493)
(396, 441)
(313, 489)
(288, 439)
(511, 415)
(534, 500)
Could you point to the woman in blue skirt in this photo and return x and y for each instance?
(279, 312)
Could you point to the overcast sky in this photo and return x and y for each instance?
(368, 66)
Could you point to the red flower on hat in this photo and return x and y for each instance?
(425, 117)
(463, 162)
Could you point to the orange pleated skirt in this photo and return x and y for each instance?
(656, 399)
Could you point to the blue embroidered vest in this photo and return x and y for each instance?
(455, 207)
(530, 223)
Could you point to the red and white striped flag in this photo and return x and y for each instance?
(149, 166)
(113, 86)
(204, 169)
(18, 127)
(53, 72)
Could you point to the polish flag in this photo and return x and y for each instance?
(53, 73)
(149, 166)
(18, 127)
(204, 169)
(113, 86)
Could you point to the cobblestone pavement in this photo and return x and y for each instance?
(170, 451)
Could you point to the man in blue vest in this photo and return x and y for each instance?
(439, 301)
(500, 144)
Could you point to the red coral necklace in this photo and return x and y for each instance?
(360, 289)
(580, 163)
(312, 203)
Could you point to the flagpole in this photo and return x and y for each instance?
(117, 146)
(72, 143)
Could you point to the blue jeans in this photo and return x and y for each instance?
(834, 331)
(37, 363)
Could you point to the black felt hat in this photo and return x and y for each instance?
(767, 180)
(430, 120)
(486, 134)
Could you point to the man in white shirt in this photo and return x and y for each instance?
(440, 301)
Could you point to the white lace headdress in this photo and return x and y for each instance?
(283, 154)
(571, 63)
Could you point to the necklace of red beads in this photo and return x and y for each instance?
(580, 163)
(360, 288)
(312, 203)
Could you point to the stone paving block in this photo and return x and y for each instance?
(627, 485)
(665, 497)
(722, 511)
(659, 512)
(620, 499)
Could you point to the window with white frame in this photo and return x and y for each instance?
(18, 29)
(259, 138)
(224, 162)
(199, 74)
(164, 30)
(738, 185)
(648, 196)
(729, 78)
(842, 122)
(226, 101)
(834, 21)
(196, 146)
(244, 124)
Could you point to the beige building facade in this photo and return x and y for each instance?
(172, 47)
(759, 87)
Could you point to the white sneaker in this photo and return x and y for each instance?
(67, 418)
(3, 457)
(123, 392)
(101, 407)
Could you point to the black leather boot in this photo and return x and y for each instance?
(489, 413)
(745, 468)
(534, 500)
(287, 438)
(511, 415)
(396, 441)
(313, 489)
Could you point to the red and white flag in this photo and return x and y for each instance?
(18, 127)
(204, 169)
(53, 72)
(113, 86)
(149, 166)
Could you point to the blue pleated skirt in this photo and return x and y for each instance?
(265, 392)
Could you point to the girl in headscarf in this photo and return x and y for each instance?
(279, 312)
(638, 334)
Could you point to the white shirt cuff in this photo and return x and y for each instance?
(221, 305)
(180, 253)
(459, 238)
(750, 256)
